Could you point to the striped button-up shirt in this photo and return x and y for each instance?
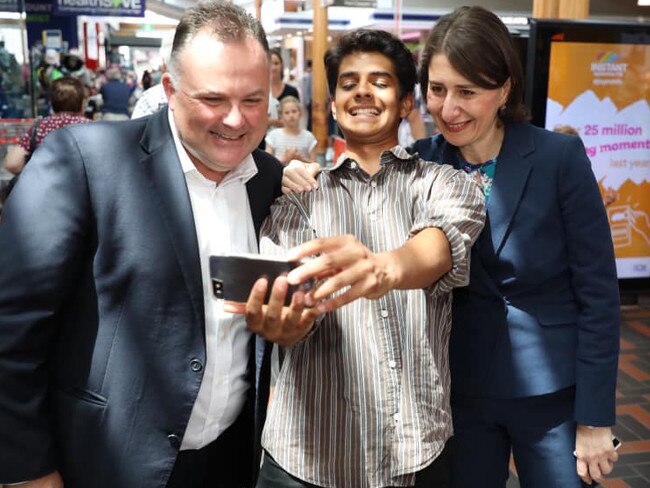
(364, 400)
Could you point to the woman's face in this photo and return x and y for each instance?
(276, 67)
(465, 113)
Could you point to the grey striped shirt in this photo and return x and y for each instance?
(364, 400)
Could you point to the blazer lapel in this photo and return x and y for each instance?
(260, 195)
(166, 176)
(253, 187)
(513, 169)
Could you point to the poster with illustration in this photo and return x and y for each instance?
(603, 90)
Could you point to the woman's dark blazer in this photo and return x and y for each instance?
(541, 312)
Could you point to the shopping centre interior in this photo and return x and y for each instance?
(88, 44)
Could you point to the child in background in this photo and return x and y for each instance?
(291, 142)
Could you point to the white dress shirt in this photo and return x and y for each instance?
(224, 225)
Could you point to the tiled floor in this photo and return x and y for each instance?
(633, 401)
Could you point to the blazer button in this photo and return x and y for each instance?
(174, 441)
(196, 365)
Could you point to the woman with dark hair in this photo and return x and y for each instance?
(535, 335)
(280, 89)
(147, 80)
(67, 96)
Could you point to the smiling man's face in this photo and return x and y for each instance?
(220, 100)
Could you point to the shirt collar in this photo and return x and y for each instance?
(243, 172)
(395, 154)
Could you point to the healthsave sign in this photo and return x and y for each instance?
(9, 6)
(118, 8)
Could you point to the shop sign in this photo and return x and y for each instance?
(116, 8)
(10, 6)
(355, 3)
(38, 12)
(38, 7)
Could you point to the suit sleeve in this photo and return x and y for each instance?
(42, 236)
(595, 286)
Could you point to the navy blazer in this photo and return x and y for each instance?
(101, 308)
(541, 312)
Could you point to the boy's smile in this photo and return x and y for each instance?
(366, 103)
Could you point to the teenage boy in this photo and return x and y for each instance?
(363, 397)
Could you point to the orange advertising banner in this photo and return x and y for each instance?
(619, 72)
(603, 91)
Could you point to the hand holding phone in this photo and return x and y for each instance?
(233, 276)
(234, 279)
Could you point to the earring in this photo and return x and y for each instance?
(502, 108)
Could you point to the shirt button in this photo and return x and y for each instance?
(195, 365)
(384, 313)
(353, 165)
(174, 441)
(396, 417)
(373, 184)
(392, 364)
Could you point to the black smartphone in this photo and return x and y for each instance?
(233, 276)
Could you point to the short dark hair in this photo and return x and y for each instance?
(67, 95)
(478, 46)
(228, 23)
(372, 41)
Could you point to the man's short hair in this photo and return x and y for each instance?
(67, 95)
(227, 23)
(372, 41)
(113, 74)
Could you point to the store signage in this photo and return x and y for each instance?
(10, 6)
(117, 8)
(355, 3)
(38, 7)
(52, 39)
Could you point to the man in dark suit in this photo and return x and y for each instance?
(117, 367)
